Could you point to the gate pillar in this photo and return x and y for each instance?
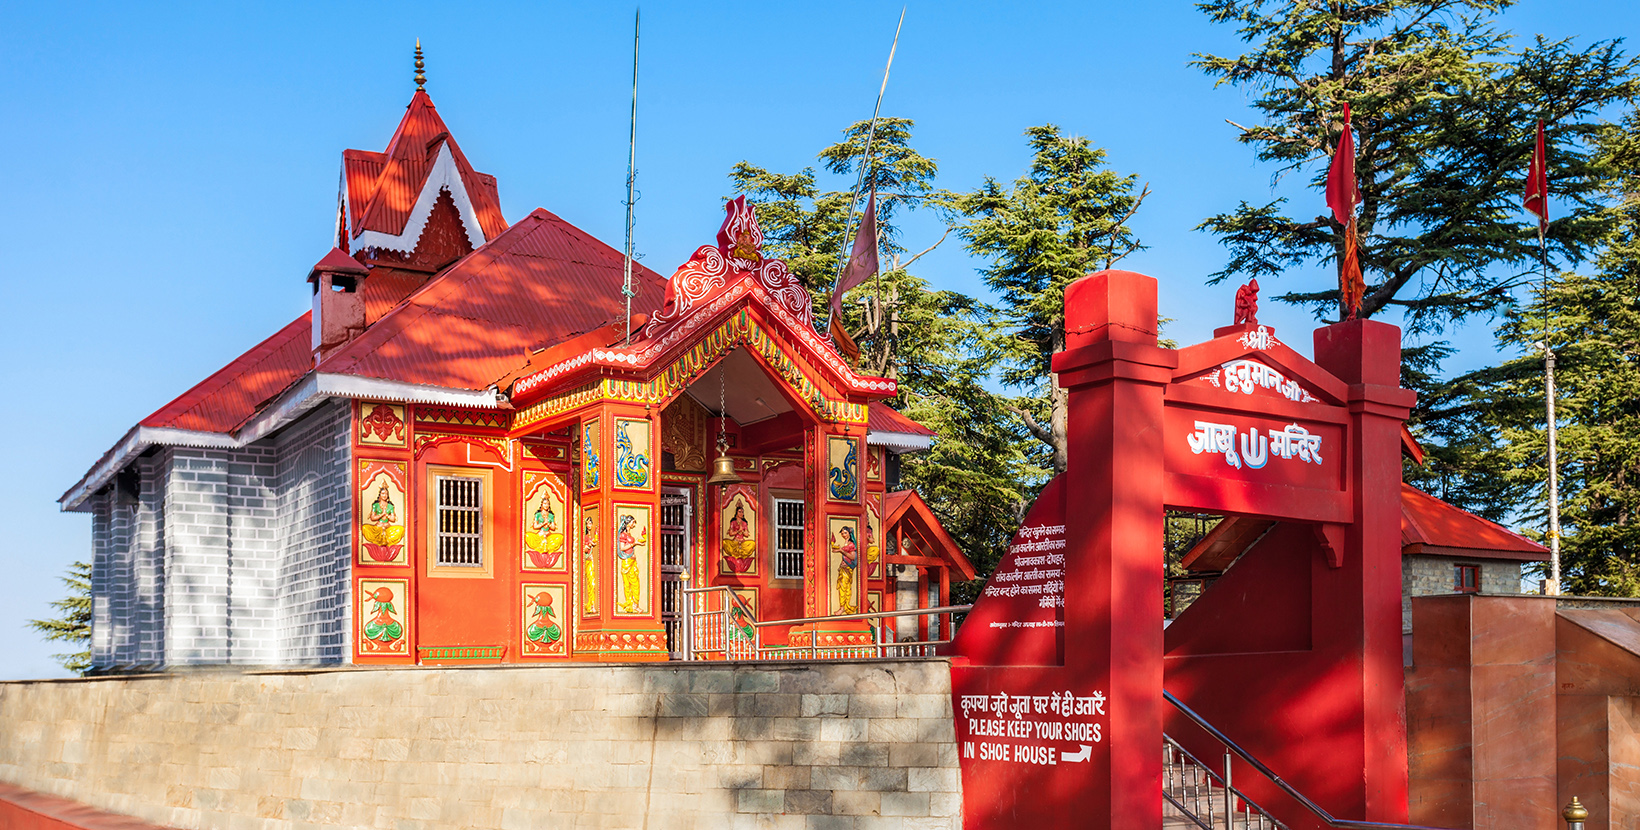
(1114, 373)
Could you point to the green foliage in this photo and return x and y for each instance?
(978, 477)
(74, 626)
(1066, 217)
(1494, 458)
(1444, 112)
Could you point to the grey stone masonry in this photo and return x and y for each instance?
(865, 745)
(213, 556)
(1423, 575)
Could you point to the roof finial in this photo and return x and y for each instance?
(421, 77)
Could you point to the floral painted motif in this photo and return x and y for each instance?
(874, 537)
(631, 453)
(843, 476)
(381, 424)
(382, 513)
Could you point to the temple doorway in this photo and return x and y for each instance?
(677, 525)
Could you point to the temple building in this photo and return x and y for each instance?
(470, 451)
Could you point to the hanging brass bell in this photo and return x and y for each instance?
(723, 470)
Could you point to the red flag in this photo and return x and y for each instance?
(1536, 198)
(1342, 195)
(862, 263)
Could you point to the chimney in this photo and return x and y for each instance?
(338, 307)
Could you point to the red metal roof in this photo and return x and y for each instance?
(540, 282)
(382, 187)
(905, 506)
(1431, 526)
(226, 399)
(338, 262)
(880, 417)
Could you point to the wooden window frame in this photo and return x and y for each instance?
(1458, 571)
(773, 529)
(487, 521)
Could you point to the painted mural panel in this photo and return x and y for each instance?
(874, 536)
(741, 616)
(544, 522)
(633, 554)
(874, 603)
(842, 468)
(382, 604)
(384, 513)
(633, 452)
(842, 536)
(381, 425)
(589, 561)
(874, 464)
(737, 525)
(542, 627)
(590, 462)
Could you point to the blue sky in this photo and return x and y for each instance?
(172, 170)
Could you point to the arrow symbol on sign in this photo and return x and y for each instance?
(1077, 757)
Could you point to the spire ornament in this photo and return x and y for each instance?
(421, 77)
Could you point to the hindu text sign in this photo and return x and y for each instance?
(1021, 618)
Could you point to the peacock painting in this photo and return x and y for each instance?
(845, 472)
(631, 464)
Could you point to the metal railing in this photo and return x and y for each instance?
(1189, 785)
(1230, 794)
(731, 632)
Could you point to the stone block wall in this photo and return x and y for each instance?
(830, 746)
(315, 529)
(212, 556)
(1423, 576)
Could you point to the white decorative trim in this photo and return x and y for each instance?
(444, 175)
(899, 442)
(313, 389)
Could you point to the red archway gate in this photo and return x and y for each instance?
(1060, 666)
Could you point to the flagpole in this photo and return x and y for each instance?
(865, 161)
(631, 177)
(1549, 394)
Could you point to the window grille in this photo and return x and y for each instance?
(788, 538)
(1467, 579)
(460, 521)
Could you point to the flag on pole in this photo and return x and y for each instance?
(1536, 197)
(1342, 197)
(862, 263)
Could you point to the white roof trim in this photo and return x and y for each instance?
(444, 175)
(900, 442)
(313, 389)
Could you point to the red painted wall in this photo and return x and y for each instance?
(22, 809)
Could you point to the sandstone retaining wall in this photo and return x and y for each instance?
(853, 746)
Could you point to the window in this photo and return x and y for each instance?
(933, 602)
(788, 538)
(1467, 579)
(460, 521)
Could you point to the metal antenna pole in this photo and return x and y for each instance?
(631, 177)
(1549, 392)
(865, 161)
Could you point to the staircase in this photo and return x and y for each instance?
(1200, 796)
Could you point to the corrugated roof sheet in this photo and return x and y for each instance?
(226, 399)
(1432, 523)
(409, 158)
(880, 417)
(540, 282)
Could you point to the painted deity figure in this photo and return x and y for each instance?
(738, 546)
(844, 546)
(543, 629)
(545, 541)
(873, 550)
(626, 560)
(381, 530)
(382, 629)
(589, 564)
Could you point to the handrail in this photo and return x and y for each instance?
(910, 612)
(1261, 769)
